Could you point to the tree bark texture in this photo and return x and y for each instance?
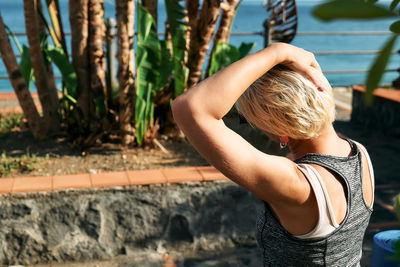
(79, 21)
(224, 28)
(201, 38)
(193, 12)
(151, 6)
(48, 65)
(18, 83)
(126, 68)
(48, 100)
(97, 55)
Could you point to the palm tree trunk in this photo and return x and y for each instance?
(47, 98)
(49, 67)
(201, 38)
(151, 6)
(18, 83)
(193, 11)
(97, 58)
(224, 29)
(79, 21)
(126, 68)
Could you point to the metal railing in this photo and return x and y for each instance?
(311, 33)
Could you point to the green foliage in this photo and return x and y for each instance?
(26, 66)
(378, 68)
(394, 4)
(226, 54)
(68, 73)
(396, 249)
(10, 122)
(154, 66)
(25, 163)
(178, 29)
(25, 63)
(395, 27)
(350, 9)
(397, 206)
(364, 9)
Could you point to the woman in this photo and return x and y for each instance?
(318, 203)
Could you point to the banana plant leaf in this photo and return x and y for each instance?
(394, 4)
(154, 66)
(378, 68)
(226, 54)
(351, 9)
(26, 66)
(67, 70)
(25, 63)
(178, 27)
(395, 27)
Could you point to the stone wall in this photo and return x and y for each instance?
(90, 225)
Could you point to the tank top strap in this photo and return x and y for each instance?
(326, 219)
(370, 167)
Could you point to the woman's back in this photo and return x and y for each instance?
(343, 246)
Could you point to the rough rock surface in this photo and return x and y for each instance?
(98, 225)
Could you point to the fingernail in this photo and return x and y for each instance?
(320, 88)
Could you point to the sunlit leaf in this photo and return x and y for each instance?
(378, 68)
(397, 206)
(178, 28)
(26, 66)
(245, 49)
(67, 70)
(350, 9)
(226, 54)
(14, 38)
(153, 67)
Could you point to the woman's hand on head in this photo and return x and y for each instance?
(298, 60)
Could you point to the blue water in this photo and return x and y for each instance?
(250, 17)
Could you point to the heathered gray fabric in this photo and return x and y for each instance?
(342, 247)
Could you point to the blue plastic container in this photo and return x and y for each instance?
(383, 249)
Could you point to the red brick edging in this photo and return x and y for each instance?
(109, 179)
(393, 95)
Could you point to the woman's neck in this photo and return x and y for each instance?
(327, 142)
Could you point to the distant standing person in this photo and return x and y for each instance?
(318, 202)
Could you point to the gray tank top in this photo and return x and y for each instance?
(342, 247)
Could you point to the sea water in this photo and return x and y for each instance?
(250, 17)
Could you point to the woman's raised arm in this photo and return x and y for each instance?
(199, 114)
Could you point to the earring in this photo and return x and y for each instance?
(284, 140)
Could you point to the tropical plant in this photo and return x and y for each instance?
(154, 66)
(47, 96)
(226, 54)
(20, 87)
(224, 28)
(365, 9)
(148, 81)
(178, 27)
(151, 6)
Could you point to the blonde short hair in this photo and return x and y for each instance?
(283, 102)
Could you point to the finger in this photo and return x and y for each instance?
(311, 74)
(316, 65)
